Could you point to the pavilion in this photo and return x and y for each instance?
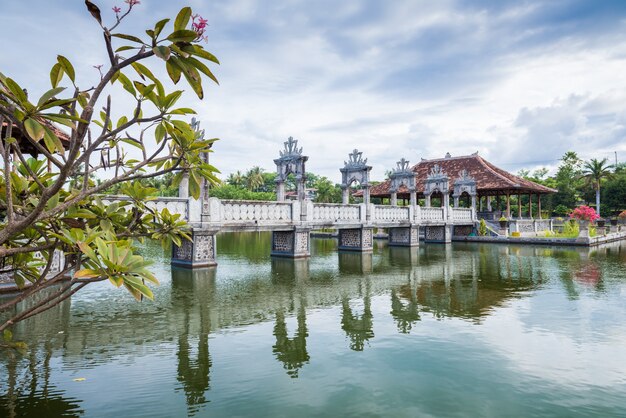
(470, 180)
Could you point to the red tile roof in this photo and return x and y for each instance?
(490, 180)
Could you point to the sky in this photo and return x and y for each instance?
(521, 82)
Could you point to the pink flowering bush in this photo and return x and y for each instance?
(622, 215)
(584, 213)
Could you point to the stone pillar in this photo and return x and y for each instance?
(394, 199)
(345, 196)
(446, 200)
(539, 205)
(480, 203)
(291, 243)
(474, 202)
(404, 236)
(456, 201)
(413, 197)
(356, 239)
(280, 191)
(583, 231)
(530, 205)
(519, 206)
(301, 188)
(427, 200)
(197, 253)
(508, 206)
(489, 204)
(183, 187)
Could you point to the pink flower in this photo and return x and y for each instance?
(584, 213)
(117, 9)
(199, 24)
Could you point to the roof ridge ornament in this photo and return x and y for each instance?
(436, 172)
(291, 148)
(402, 169)
(355, 160)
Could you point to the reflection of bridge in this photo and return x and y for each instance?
(291, 222)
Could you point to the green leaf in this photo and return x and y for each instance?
(183, 111)
(16, 90)
(122, 121)
(49, 95)
(193, 78)
(35, 129)
(7, 335)
(173, 71)
(159, 27)
(200, 66)
(125, 48)
(53, 143)
(162, 52)
(183, 35)
(182, 19)
(127, 37)
(56, 74)
(143, 89)
(127, 84)
(67, 67)
(143, 71)
(202, 53)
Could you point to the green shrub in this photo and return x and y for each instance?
(482, 228)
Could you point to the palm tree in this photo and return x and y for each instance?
(594, 172)
(236, 179)
(254, 178)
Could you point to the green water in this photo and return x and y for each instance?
(438, 331)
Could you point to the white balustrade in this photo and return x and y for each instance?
(254, 211)
(391, 213)
(462, 214)
(432, 214)
(334, 212)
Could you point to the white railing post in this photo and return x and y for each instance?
(295, 212)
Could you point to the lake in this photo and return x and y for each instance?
(437, 331)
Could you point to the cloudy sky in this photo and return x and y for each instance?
(519, 81)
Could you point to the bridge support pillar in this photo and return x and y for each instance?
(407, 236)
(197, 253)
(293, 243)
(438, 233)
(356, 239)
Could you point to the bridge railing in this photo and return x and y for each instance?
(383, 213)
(432, 214)
(250, 211)
(172, 204)
(335, 213)
(462, 214)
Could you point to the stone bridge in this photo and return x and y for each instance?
(292, 221)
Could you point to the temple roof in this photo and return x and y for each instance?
(490, 180)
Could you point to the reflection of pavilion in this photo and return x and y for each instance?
(358, 328)
(193, 290)
(291, 351)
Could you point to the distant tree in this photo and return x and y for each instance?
(237, 179)
(254, 178)
(595, 172)
(327, 192)
(568, 181)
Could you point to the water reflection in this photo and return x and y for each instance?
(192, 293)
(358, 327)
(404, 287)
(291, 352)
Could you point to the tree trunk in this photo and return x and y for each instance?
(598, 200)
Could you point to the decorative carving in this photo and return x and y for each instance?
(436, 181)
(463, 230)
(184, 252)
(291, 161)
(434, 233)
(355, 160)
(291, 149)
(355, 170)
(402, 175)
(282, 241)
